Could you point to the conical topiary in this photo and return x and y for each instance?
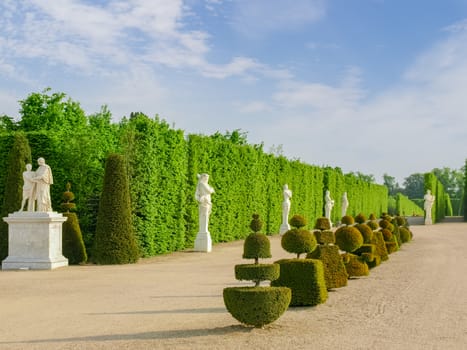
(18, 156)
(115, 241)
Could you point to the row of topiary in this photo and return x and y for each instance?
(332, 257)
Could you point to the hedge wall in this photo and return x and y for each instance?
(406, 207)
(437, 189)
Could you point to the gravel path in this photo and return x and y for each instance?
(416, 300)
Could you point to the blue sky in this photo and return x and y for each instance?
(376, 86)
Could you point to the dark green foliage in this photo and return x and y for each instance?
(405, 206)
(324, 237)
(395, 232)
(256, 224)
(360, 218)
(257, 272)
(322, 224)
(432, 183)
(380, 245)
(375, 262)
(256, 306)
(256, 246)
(372, 217)
(335, 273)
(386, 224)
(115, 241)
(347, 220)
(72, 240)
(297, 221)
(405, 234)
(18, 156)
(305, 277)
(348, 238)
(298, 241)
(366, 232)
(67, 197)
(368, 254)
(355, 265)
(373, 225)
(391, 247)
(387, 234)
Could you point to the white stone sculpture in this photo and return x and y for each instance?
(43, 180)
(329, 204)
(203, 193)
(427, 205)
(344, 204)
(285, 209)
(29, 194)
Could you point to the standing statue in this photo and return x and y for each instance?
(28, 188)
(427, 205)
(43, 179)
(203, 196)
(285, 209)
(329, 203)
(344, 205)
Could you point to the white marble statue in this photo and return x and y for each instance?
(203, 196)
(427, 205)
(285, 209)
(344, 204)
(328, 205)
(28, 188)
(43, 179)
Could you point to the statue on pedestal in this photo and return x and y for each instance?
(203, 196)
(43, 180)
(427, 205)
(329, 204)
(344, 204)
(285, 209)
(28, 189)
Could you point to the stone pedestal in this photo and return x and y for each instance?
(34, 241)
(203, 242)
(284, 228)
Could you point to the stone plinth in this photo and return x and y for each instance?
(34, 241)
(203, 242)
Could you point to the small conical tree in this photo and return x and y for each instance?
(18, 157)
(115, 241)
(72, 240)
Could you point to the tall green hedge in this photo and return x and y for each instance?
(406, 207)
(437, 189)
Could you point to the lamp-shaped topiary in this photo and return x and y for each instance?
(257, 306)
(349, 239)
(72, 239)
(347, 220)
(298, 240)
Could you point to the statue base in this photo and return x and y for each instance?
(428, 221)
(203, 242)
(284, 228)
(34, 241)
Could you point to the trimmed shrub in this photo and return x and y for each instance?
(385, 224)
(355, 265)
(256, 224)
(335, 274)
(347, 220)
(401, 221)
(298, 241)
(372, 217)
(72, 240)
(257, 272)
(305, 277)
(324, 237)
(380, 245)
(115, 241)
(368, 254)
(391, 247)
(68, 197)
(395, 232)
(360, 218)
(256, 246)
(405, 234)
(348, 238)
(297, 221)
(373, 225)
(387, 234)
(366, 232)
(322, 224)
(257, 306)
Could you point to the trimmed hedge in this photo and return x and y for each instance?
(298, 241)
(380, 245)
(72, 240)
(348, 238)
(257, 272)
(335, 274)
(355, 265)
(324, 237)
(256, 246)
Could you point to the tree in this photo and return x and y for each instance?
(452, 180)
(364, 177)
(391, 184)
(7, 123)
(414, 186)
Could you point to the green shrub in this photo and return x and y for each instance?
(256, 246)
(355, 265)
(380, 245)
(257, 306)
(72, 240)
(387, 234)
(335, 274)
(68, 197)
(375, 262)
(324, 237)
(360, 218)
(372, 217)
(322, 224)
(396, 232)
(347, 220)
(373, 225)
(385, 224)
(348, 238)
(368, 254)
(391, 247)
(405, 234)
(257, 272)
(305, 277)
(115, 241)
(401, 221)
(297, 221)
(298, 241)
(366, 232)
(256, 224)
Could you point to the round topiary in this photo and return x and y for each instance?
(256, 224)
(257, 306)
(347, 220)
(405, 234)
(386, 224)
(67, 197)
(257, 272)
(256, 246)
(401, 221)
(387, 234)
(373, 225)
(372, 217)
(348, 238)
(360, 218)
(298, 241)
(366, 232)
(297, 221)
(322, 224)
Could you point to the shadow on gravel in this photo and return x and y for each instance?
(213, 310)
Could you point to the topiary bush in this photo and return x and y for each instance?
(380, 245)
(405, 234)
(298, 241)
(385, 224)
(324, 237)
(256, 246)
(256, 224)
(387, 234)
(322, 224)
(369, 255)
(348, 238)
(115, 241)
(373, 225)
(257, 272)
(335, 274)
(366, 232)
(347, 220)
(355, 265)
(360, 218)
(298, 221)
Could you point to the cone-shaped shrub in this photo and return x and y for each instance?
(18, 156)
(380, 245)
(348, 238)
(256, 246)
(115, 241)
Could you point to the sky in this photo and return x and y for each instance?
(371, 86)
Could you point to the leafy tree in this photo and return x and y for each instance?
(414, 185)
(7, 123)
(391, 184)
(364, 177)
(452, 180)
